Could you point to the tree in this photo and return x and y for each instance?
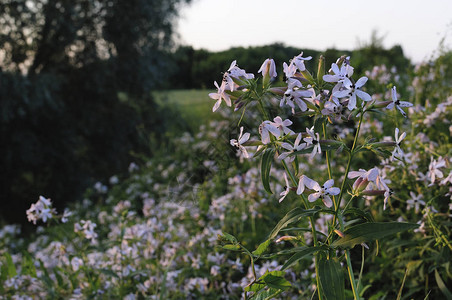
(75, 79)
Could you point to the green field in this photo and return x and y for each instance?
(194, 106)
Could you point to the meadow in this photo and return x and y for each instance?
(255, 204)
(192, 105)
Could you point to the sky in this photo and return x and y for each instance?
(418, 26)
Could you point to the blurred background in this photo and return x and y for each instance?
(89, 86)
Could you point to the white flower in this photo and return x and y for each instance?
(265, 129)
(286, 191)
(352, 91)
(241, 139)
(447, 179)
(305, 182)
(41, 210)
(291, 96)
(299, 61)
(434, 169)
(398, 152)
(296, 147)
(87, 226)
(341, 75)
(313, 139)
(330, 108)
(289, 70)
(370, 176)
(282, 125)
(76, 262)
(235, 72)
(324, 192)
(415, 202)
(398, 103)
(67, 213)
(220, 95)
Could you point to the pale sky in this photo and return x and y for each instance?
(417, 25)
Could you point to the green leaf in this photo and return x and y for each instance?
(10, 267)
(28, 266)
(56, 272)
(442, 286)
(291, 217)
(266, 165)
(252, 143)
(302, 253)
(359, 212)
(229, 237)
(267, 294)
(331, 278)
(380, 152)
(275, 279)
(261, 248)
(255, 287)
(368, 232)
(231, 247)
(108, 272)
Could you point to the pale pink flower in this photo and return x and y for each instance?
(268, 68)
(220, 95)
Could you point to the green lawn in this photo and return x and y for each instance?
(194, 106)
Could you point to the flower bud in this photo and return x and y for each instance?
(361, 186)
(321, 68)
(307, 76)
(339, 233)
(278, 90)
(286, 238)
(268, 70)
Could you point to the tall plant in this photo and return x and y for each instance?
(322, 99)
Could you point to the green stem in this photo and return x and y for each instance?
(311, 220)
(350, 274)
(341, 222)
(346, 172)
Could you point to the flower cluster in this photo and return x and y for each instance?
(41, 210)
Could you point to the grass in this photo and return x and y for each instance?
(194, 106)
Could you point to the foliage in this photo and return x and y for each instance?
(75, 84)
(193, 68)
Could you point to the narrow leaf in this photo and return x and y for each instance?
(291, 217)
(359, 212)
(298, 256)
(108, 272)
(368, 232)
(442, 286)
(266, 165)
